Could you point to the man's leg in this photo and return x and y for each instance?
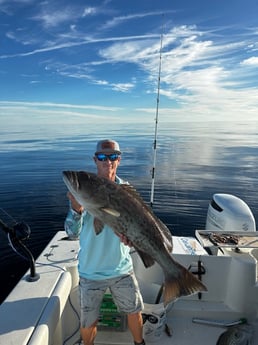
(135, 325)
(88, 334)
(127, 296)
(91, 294)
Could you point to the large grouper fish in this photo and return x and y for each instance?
(121, 208)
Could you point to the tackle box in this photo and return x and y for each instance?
(109, 316)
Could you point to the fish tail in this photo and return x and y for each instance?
(183, 284)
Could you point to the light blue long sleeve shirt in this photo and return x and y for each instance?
(100, 256)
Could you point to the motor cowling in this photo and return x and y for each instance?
(227, 212)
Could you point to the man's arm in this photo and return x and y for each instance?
(73, 221)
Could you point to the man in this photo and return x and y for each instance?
(104, 259)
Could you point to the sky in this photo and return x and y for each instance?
(121, 60)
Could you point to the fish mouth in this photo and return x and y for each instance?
(67, 174)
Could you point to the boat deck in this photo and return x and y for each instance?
(182, 331)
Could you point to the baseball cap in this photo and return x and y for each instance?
(107, 146)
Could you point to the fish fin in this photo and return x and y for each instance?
(146, 258)
(111, 211)
(184, 284)
(168, 245)
(98, 226)
(165, 232)
(131, 190)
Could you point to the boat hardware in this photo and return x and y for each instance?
(219, 323)
(198, 269)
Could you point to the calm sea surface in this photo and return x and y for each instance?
(194, 161)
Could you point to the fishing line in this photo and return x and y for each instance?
(8, 215)
(174, 179)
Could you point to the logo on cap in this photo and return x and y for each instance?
(108, 145)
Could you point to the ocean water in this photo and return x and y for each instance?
(194, 161)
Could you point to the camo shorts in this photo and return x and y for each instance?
(125, 292)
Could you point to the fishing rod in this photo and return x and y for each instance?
(156, 126)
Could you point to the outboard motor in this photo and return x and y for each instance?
(227, 212)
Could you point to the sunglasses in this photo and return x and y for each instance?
(103, 157)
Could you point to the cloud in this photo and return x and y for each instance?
(121, 19)
(119, 87)
(135, 18)
(2, 2)
(75, 43)
(89, 11)
(122, 87)
(50, 17)
(252, 61)
(57, 105)
(193, 65)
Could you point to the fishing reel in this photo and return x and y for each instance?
(21, 231)
(16, 236)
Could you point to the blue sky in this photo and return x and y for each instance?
(100, 59)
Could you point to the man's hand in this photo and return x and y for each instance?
(74, 203)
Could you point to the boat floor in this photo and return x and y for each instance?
(184, 331)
